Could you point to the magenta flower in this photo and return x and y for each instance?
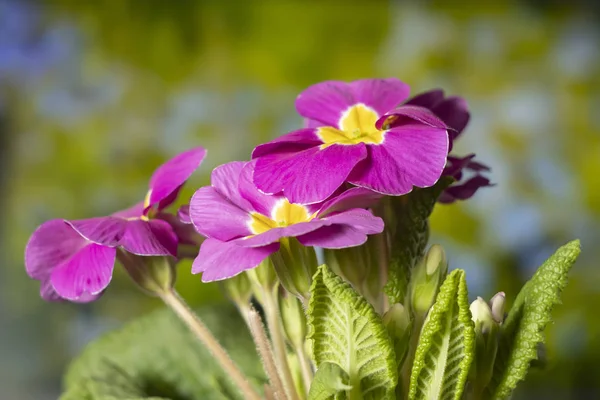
(244, 226)
(74, 260)
(454, 112)
(348, 139)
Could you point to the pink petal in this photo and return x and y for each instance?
(87, 273)
(292, 142)
(170, 176)
(309, 176)
(346, 229)
(226, 181)
(427, 99)
(106, 231)
(273, 235)
(186, 233)
(407, 115)
(184, 214)
(260, 202)
(356, 197)
(135, 211)
(149, 238)
(454, 111)
(464, 190)
(215, 216)
(221, 260)
(52, 244)
(411, 155)
(380, 94)
(327, 101)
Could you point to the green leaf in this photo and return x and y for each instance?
(344, 329)
(156, 357)
(446, 345)
(410, 233)
(522, 331)
(330, 383)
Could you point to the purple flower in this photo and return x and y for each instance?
(244, 226)
(74, 259)
(454, 111)
(348, 139)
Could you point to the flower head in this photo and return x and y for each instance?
(454, 111)
(348, 139)
(74, 259)
(244, 226)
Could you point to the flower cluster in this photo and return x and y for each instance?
(313, 187)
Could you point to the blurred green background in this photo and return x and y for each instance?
(95, 94)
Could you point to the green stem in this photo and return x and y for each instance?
(275, 329)
(305, 367)
(172, 299)
(410, 357)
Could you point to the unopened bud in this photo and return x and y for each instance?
(153, 274)
(293, 318)
(488, 318)
(398, 323)
(238, 289)
(426, 279)
(295, 266)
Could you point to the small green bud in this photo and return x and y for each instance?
(488, 318)
(426, 279)
(238, 289)
(263, 279)
(399, 325)
(295, 266)
(154, 275)
(293, 318)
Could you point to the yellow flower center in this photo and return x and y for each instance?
(146, 204)
(283, 214)
(357, 126)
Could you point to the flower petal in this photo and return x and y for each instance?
(50, 245)
(380, 94)
(260, 202)
(221, 260)
(149, 238)
(327, 101)
(407, 115)
(292, 142)
(346, 229)
(309, 176)
(411, 155)
(225, 179)
(356, 197)
(184, 214)
(273, 235)
(106, 231)
(169, 177)
(464, 190)
(135, 211)
(215, 216)
(454, 111)
(87, 273)
(427, 99)
(186, 233)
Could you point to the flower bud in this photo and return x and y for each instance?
(153, 274)
(295, 266)
(293, 318)
(488, 317)
(426, 279)
(399, 325)
(359, 266)
(238, 289)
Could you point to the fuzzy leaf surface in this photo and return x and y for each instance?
(522, 331)
(330, 383)
(156, 357)
(446, 346)
(410, 235)
(344, 329)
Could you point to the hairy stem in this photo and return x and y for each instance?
(263, 346)
(172, 299)
(275, 329)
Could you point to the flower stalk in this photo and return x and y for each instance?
(172, 299)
